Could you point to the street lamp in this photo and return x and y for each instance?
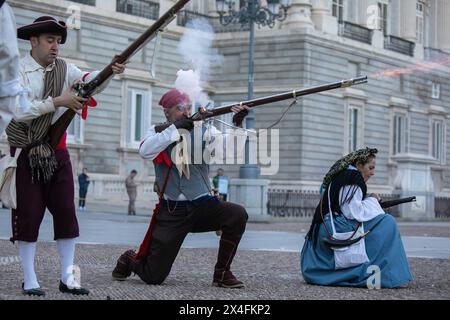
(248, 13)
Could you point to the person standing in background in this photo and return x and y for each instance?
(131, 186)
(83, 182)
(220, 184)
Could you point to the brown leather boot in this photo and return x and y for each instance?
(223, 277)
(125, 265)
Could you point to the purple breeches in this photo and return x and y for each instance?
(33, 198)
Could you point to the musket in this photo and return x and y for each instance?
(336, 243)
(395, 202)
(86, 90)
(294, 94)
(204, 113)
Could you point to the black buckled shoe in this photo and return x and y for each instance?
(76, 291)
(33, 292)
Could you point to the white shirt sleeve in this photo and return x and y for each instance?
(74, 74)
(35, 108)
(359, 209)
(39, 107)
(154, 142)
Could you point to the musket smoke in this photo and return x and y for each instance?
(189, 82)
(196, 49)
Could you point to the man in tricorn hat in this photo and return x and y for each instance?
(186, 203)
(44, 176)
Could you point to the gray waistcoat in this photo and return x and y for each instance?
(198, 183)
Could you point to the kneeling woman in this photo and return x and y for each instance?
(380, 252)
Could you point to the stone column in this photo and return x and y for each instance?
(252, 195)
(408, 20)
(212, 9)
(299, 16)
(322, 17)
(443, 25)
(414, 178)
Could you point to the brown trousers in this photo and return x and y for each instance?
(132, 195)
(173, 226)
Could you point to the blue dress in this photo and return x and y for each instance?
(383, 246)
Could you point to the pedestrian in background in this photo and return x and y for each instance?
(220, 184)
(131, 186)
(83, 182)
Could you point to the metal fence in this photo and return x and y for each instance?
(292, 203)
(185, 16)
(88, 2)
(140, 8)
(355, 32)
(302, 204)
(442, 207)
(399, 45)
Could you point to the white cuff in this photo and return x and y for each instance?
(49, 106)
(173, 133)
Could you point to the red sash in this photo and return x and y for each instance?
(144, 248)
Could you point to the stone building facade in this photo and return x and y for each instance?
(406, 115)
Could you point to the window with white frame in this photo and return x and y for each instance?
(139, 115)
(382, 16)
(419, 21)
(437, 139)
(400, 134)
(435, 90)
(354, 130)
(338, 9)
(75, 131)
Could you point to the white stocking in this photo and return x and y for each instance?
(66, 249)
(27, 251)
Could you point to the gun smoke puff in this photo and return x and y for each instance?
(189, 82)
(196, 49)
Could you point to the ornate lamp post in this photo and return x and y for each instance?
(249, 12)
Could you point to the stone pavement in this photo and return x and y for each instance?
(267, 275)
(271, 273)
(420, 240)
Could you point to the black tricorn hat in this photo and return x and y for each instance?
(41, 25)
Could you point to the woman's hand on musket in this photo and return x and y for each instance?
(240, 112)
(376, 196)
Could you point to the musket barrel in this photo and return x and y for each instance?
(280, 97)
(396, 202)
